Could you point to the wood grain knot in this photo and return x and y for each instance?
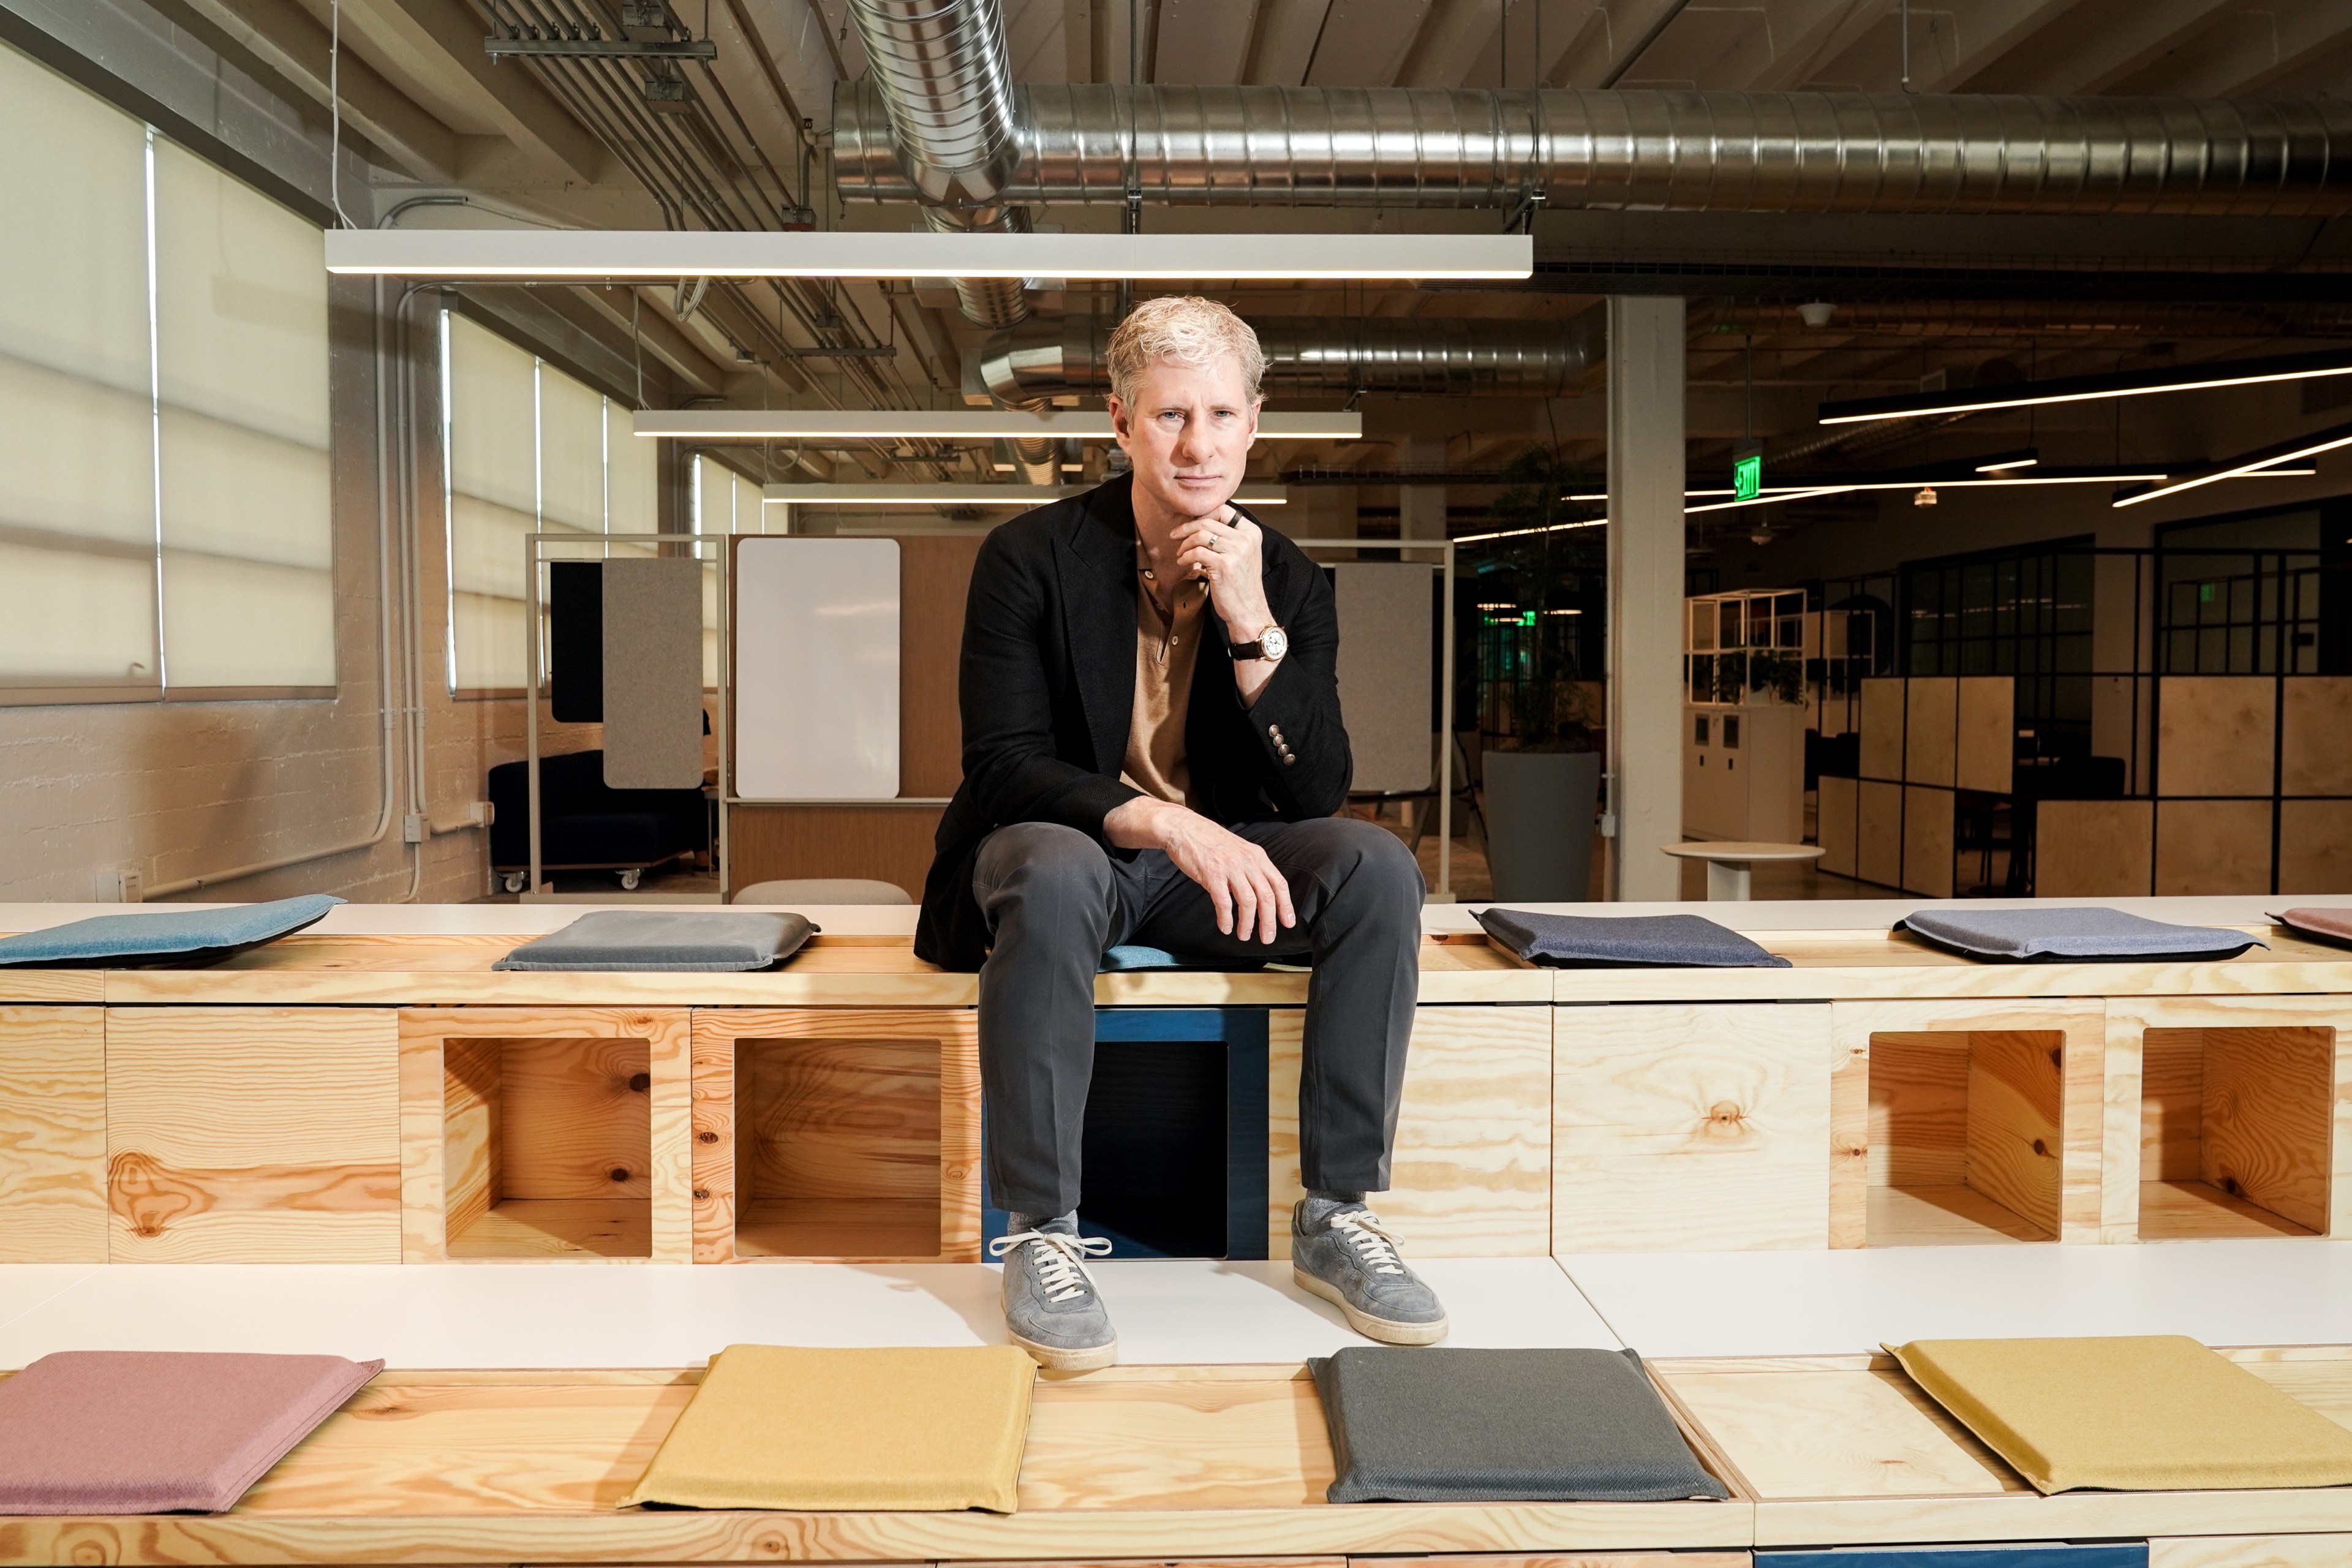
(702, 1194)
(619, 1173)
(706, 1136)
(2058, 1057)
(1724, 1119)
(640, 1082)
(2042, 1148)
(149, 1195)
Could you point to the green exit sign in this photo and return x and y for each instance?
(1747, 477)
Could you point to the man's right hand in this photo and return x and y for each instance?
(1251, 897)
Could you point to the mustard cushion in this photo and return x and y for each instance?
(784, 1428)
(2158, 1412)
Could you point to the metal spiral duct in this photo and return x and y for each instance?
(942, 91)
(1051, 358)
(1772, 152)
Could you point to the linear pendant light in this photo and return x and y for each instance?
(2271, 459)
(966, 495)
(944, 425)
(2085, 388)
(556, 253)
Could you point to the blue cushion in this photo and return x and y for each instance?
(2091, 933)
(1138, 958)
(200, 936)
(1621, 941)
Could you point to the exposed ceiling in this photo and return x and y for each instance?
(577, 142)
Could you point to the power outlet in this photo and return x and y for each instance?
(414, 829)
(121, 884)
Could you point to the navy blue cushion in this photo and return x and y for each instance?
(176, 936)
(2093, 934)
(1624, 942)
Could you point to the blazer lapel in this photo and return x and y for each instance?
(1096, 564)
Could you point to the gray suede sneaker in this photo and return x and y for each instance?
(1350, 1261)
(1051, 1309)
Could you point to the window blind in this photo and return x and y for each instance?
(166, 487)
(525, 449)
(246, 513)
(77, 421)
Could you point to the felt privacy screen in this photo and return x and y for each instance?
(665, 939)
(1382, 670)
(2073, 933)
(181, 936)
(784, 1428)
(1502, 1426)
(2159, 1413)
(651, 616)
(1585, 942)
(99, 1432)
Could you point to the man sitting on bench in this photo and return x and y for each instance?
(1153, 754)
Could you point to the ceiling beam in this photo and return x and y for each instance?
(291, 41)
(615, 305)
(1977, 38)
(1452, 37)
(450, 33)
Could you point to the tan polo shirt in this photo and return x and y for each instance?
(1166, 649)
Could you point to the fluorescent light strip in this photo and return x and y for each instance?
(944, 425)
(1827, 487)
(1523, 532)
(2086, 388)
(546, 253)
(2258, 465)
(966, 495)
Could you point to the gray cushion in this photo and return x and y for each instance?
(2091, 933)
(1502, 1426)
(1587, 941)
(680, 940)
(176, 936)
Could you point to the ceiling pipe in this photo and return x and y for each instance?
(943, 97)
(1696, 152)
(1049, 357)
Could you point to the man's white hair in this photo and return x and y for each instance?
(1188, 329)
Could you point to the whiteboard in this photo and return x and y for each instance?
(816, 668)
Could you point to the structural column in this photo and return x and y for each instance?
(1646, 595)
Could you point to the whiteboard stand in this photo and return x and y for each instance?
(535, 559)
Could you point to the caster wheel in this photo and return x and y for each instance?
(512, 881)
(629, 880)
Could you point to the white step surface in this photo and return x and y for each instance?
(465, 1315)
(2281, 1291)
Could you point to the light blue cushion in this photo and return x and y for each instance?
(204, 935)
(1138, 958)
(666, 941)
(2093, 933)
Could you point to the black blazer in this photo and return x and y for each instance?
(1048, 696)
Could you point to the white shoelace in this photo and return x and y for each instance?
(1375, 1245)
(1061, 1259)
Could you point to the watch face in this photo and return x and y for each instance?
(1275, 641)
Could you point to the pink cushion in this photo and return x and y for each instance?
(112, 1432)
(2319, 922)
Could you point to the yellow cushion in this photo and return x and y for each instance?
(2156, 1414)
(782, 1427)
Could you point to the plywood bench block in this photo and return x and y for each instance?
(1690, 1128)
(545, 1133)
(844, 1133)
(253, 1135)
(2242, 1118)
(1970, 1121)
(1471, 1173)
(52, 1135)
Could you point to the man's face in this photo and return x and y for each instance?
(1188, 435)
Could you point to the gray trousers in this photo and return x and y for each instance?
(1056, 902)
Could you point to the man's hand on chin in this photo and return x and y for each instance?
(1251, 897)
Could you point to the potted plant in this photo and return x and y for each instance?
(1541, 779)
